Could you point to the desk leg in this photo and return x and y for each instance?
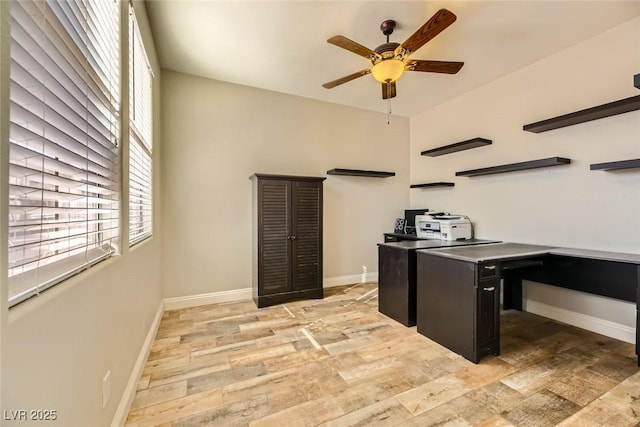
(637, 335)
(638, 314)
(512, 292)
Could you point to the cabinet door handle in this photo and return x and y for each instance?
(491, 289)
(489, 267)
(293, 237)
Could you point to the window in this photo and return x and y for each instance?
(63, 140)
(140, 142)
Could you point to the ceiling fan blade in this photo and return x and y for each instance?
(445, 67)
(434, 26)
(345, 79)
(352, 46)
(388, 90)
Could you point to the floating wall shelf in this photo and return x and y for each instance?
(358, 172)
(458, 146)
(601, 111)
(621, 164)
(511, 167)
(636, 81)
(432, 185)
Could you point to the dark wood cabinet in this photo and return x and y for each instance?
(287, 238)
(457, 305)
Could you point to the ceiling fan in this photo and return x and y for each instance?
(390, 60)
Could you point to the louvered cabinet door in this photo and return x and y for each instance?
(287, 232)
(274, 237)
(306, 245)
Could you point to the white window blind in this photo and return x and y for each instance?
(140, 137)
(64, 130)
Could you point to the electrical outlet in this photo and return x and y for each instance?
(106, 389)
(363, 276)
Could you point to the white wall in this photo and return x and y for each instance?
(57, 347)
(217, 134)
(568, 206)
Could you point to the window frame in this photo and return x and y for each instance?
(140, 177)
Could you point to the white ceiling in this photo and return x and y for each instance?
(281, 45)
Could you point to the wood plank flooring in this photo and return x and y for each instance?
(338, 362)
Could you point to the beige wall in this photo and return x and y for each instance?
(568, 206)
(57, 347)
(217, 134)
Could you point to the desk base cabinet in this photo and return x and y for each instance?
(397, 284)
(458, 305)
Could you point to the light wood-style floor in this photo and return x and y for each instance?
(338, 362)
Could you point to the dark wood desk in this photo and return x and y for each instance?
(458, 288)
(397, 275)
(612, 275)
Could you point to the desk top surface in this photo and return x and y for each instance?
(593, 254)
(488, 252)
(495, 251)
(435, 243)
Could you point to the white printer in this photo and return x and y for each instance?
(443, 226)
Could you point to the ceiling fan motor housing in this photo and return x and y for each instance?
(386, 50)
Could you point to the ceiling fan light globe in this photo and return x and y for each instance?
(388, 70)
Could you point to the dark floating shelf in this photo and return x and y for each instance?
(458, 146)
(511, 167)
(594, 113)
(636, 81)
(358, 172)
(432, 185)
(621, 164)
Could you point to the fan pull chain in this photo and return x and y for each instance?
(388, 105)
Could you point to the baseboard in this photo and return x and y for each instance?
(210, 298)
(246, 293)
(590, 323)
(329, 282)
(120, 417)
